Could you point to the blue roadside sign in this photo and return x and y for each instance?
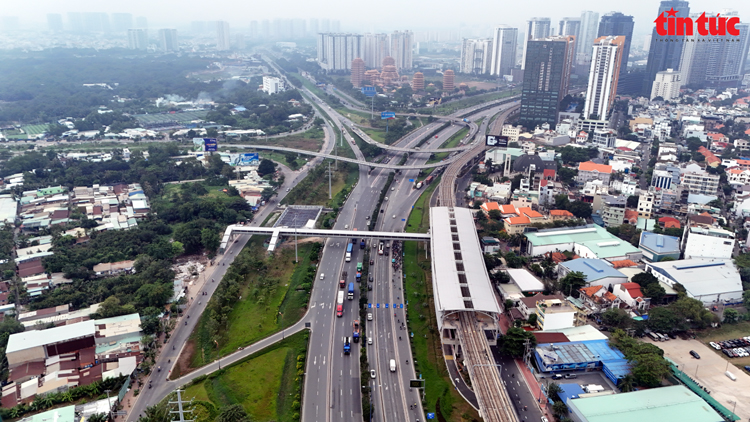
(430, 416)
(387, 115)
(369, 91)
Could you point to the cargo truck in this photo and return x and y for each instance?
(362, 244)
(355, 331)
(350, 293)
(347, 346)
(349, 252)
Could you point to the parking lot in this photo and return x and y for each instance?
(709, 371)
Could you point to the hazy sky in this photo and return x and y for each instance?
(360, 16)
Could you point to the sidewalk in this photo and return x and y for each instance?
(534, 387)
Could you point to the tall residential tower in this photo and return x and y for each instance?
(606, 62)
(504, 45)
(616, 24)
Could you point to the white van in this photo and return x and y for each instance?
(393, 365)
(322, 276)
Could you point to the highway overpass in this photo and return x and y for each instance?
(275, 232)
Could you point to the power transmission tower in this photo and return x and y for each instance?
(180, 408)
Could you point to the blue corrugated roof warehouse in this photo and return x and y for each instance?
(581, 355)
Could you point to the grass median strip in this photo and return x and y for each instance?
(259, 295)
(266, 384)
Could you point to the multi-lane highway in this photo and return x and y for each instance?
(332, 384)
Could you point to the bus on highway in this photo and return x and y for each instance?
(349, 252)
(340, 304)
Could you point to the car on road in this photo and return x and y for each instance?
(747, 368)
(372, 373)
(369, 317)
(369, 340)
(557, 376)
(322, 276)
(544, 419)
(570, 376)
(394, 215)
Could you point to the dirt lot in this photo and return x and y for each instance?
(709, 371)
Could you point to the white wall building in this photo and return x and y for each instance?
(401, 49)
(337, 51)
(223, 42)
(708, 243)
(666, 85)
(700, 182)
(272, 85)
(603, 76)
(476, 56)
(503, 50)
(708, 280)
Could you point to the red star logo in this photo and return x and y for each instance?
(671, 12)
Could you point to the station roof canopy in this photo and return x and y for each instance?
(460, 280)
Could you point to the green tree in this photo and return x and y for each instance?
(98, 417)
(632, 201)
(267, 193)
(495, 215)
(663, 319)
(649, 369)
(615, 317)
(656, 292)
(693, 143)
(580, 209)
(553, 391)
(532, 320)
(559, 409)
(513, 342)
(233, 413)
(731, 316)
(156, 413)
(177, 248)
(266, 166)
(626, 384)
(746, 299)
(573, 281)
(210, 240)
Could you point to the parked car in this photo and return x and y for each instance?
(557, 376)
(570, 376)
(695, 354)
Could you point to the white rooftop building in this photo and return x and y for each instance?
(699, 242)
(708, 280)
(460, 279)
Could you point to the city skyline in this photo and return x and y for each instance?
(173, 14)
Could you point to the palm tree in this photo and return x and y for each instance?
(66, 397)
(627, 383)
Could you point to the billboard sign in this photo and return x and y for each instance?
(210, 144)
(368, 91)
(496, 141)
(249, 158)
(387, 115)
